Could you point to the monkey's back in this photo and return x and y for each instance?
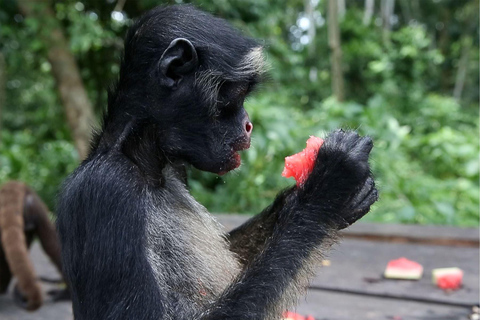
(102, 237)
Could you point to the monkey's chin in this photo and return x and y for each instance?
(234, 162)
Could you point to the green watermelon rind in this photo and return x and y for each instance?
(438, 273)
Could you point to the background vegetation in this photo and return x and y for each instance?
(410, 72)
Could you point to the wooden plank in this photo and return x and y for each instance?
(231, 221)
(358, 265)
(424, 234)
(339, 306)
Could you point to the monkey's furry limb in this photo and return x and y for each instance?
(15, 246)
(23, 215)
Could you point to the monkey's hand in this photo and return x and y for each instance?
(340, 188)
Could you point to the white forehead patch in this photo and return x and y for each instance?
(210, 81)
(253, 62)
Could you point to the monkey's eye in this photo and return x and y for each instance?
(244, 89)
(232, 94)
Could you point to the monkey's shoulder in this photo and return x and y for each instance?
(101, 183)
(111, 182)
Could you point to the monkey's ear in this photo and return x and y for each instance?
(179, 59)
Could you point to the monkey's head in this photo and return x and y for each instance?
(192, 72)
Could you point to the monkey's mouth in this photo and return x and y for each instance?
(233, 162)
(235, 159)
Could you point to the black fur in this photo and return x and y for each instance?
(132, 237)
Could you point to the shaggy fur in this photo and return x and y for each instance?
(23, 216)
(136, 245)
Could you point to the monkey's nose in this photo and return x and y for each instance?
(248, 128)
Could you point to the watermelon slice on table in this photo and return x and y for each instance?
(447, 278)
(403, 269)
(288, 315)
(300, 165)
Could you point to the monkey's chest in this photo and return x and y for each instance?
(188, 253)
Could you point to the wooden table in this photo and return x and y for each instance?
(352, 287)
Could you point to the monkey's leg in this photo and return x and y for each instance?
(15, 244)
(5, 273)
(36, 214)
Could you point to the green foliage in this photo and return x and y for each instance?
(41, 165)
(399, 92)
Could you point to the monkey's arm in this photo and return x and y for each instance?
(249, 239)
(15, 243)
(338, 192)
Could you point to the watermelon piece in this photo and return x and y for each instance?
(288, 315)
(403, 269)
(447, 278)
(300, 165)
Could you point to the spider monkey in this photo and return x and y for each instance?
(24, 216)
(136, 244)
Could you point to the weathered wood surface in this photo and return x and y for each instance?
(437, 235)
(339, 306)
(358, 265)
(352, 286)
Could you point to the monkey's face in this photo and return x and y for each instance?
(211, 137)
(201, 111)
(230, 131)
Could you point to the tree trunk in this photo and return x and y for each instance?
(334, 44)
(72, 92)
(387, 7)
(462, 69)
(312, 30)
(416, 12)
(407, 15)
(368, 13)
(342, 8)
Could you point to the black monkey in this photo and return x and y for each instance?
(136, 245)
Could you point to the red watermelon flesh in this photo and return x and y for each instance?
(403, 269)
(447, 278)
(300, 165)
(288, 315)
